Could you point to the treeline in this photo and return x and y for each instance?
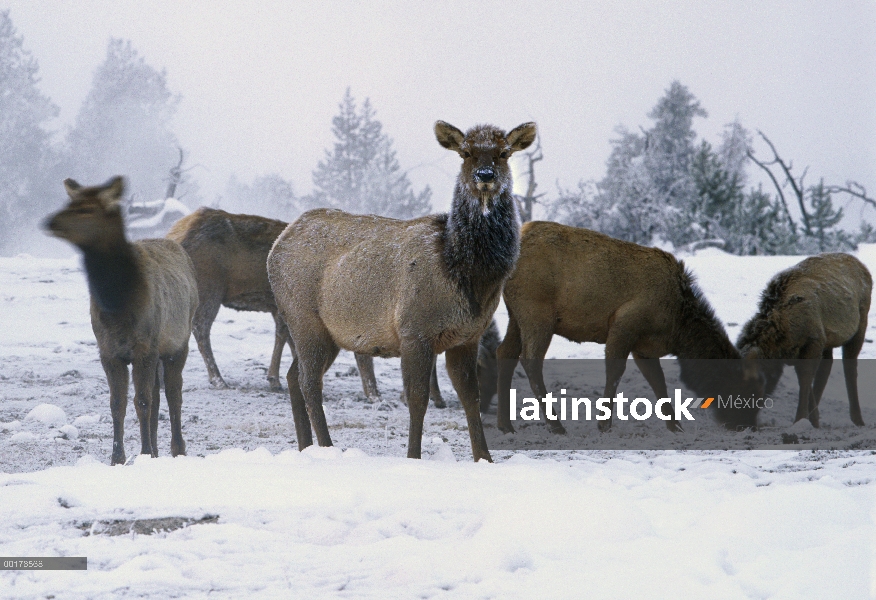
(662, 185)
(125, 126)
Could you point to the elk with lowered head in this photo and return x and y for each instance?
(589, 287)
(804, 313)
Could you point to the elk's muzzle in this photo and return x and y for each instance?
(485, 175)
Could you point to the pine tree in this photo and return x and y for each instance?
(670, 151)
(124, 125)
(718, 193)
(823, 219)
(29, 182)
(361, 173)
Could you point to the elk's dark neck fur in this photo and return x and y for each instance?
(113, 275)
(700, 338)
(480, 250)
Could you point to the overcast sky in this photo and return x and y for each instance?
(260, 81)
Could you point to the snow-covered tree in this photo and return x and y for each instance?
(124, 125)
(29, 179)
(361, 173)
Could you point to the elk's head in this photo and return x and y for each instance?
(93, 215)
(485, 151)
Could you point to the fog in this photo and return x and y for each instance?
(260, 82)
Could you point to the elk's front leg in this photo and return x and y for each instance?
(416, 366)
(143, 373)
(173, 368)
(462, 366)
(117, 378)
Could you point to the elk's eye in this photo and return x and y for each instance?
(503, 155)
(466, 154)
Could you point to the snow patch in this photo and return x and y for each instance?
(86, 420)
(48, 414)
(68, 432)
(23, 436)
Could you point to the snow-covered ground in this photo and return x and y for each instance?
(361, 521)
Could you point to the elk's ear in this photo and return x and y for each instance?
(111, 192)
(448, 136)
(71, 186)
(521, 136)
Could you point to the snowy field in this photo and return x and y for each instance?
(361, 521)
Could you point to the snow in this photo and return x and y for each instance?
(48, 414)
(360, 520)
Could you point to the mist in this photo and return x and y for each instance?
(259, 85)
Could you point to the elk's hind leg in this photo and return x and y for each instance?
(281, 337)
(117, 378)
(819, 382)
(850, 370)
(315, 353)
(806, 367)
(365, 364)
(173, 381)
(205, 314)
(462, 366)
(507, 356)
(535, 340)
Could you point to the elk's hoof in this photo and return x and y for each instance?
(674, 427)
(218, 383)
(439, 402)
(507, 428)
(118, 458)
(274, 384)
(604, 426)
(858, 421)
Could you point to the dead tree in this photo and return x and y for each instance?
(525, 203)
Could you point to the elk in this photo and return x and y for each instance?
(589, 287)
(804, 313)
(230, 253)
(386, 287)
(143, 299)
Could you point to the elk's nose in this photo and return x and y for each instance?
(485, 175)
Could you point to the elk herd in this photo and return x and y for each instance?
(413, 289)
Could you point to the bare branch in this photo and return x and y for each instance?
(776, 184)
(798, 188)
(854, 189)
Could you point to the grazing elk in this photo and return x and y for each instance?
(230, 252)
(143, 299)
(589, 287)
(413, 289)
(804, 313)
